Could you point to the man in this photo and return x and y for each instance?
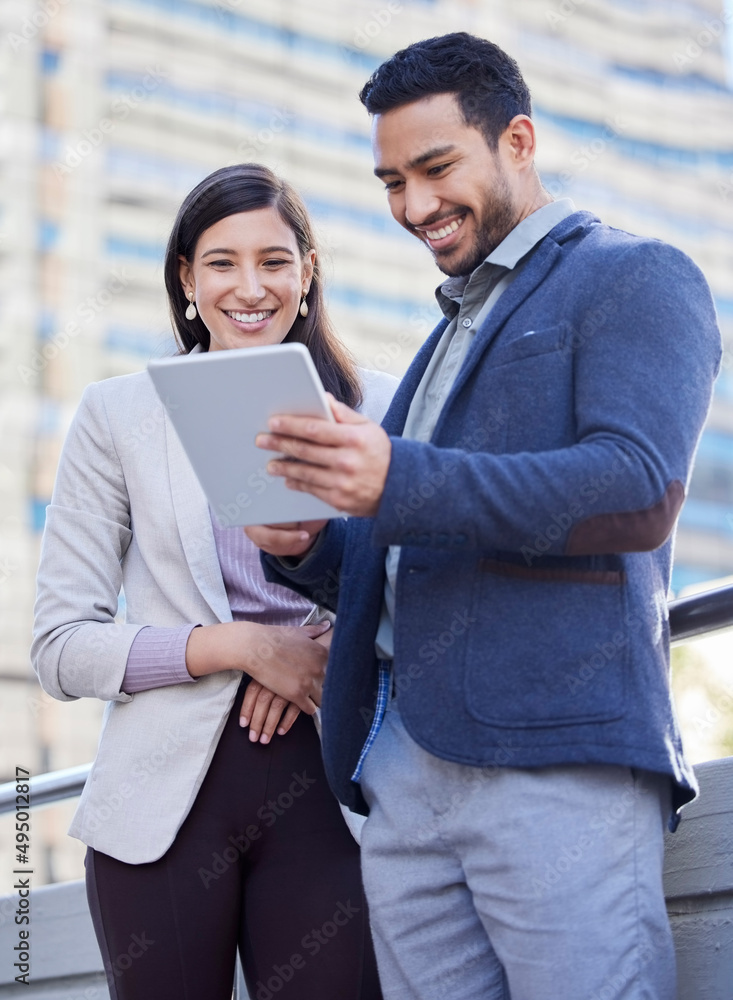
(502, 581)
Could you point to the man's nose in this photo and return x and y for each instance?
(421, 203)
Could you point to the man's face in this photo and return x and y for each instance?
(444, 184)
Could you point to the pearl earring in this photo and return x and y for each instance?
(304, 306)
(191, 311)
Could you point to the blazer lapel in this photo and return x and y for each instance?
(536, 270)
(194, 526)
(394, 419)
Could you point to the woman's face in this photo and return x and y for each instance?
(248, 279)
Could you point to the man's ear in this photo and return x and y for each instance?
(520, 141)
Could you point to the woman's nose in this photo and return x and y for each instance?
(249, 287)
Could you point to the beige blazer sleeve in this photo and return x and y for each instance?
(78, 650)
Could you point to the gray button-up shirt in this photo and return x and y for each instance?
(466, 302)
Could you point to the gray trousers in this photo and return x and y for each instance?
(503, 883)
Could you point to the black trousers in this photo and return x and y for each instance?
(263, 862)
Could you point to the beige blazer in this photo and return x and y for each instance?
(128, 514)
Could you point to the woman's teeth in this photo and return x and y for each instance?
(250, 317)
(438, 234)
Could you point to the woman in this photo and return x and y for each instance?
(201, 837)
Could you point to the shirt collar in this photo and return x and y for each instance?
(516, 245)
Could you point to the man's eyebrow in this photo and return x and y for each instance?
(418, 161)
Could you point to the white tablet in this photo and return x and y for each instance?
(218, 402)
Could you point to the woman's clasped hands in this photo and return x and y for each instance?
(286, 664)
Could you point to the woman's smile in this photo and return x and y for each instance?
(249, 322)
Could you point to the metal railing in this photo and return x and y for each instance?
(689, 618)
(701, 614)
(47, 788)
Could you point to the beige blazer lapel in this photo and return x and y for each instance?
(194, 526)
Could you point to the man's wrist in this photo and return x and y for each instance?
(296, 562)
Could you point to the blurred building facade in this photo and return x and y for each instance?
(113, 109)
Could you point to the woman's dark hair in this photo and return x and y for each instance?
(487, 82)
(247, 187)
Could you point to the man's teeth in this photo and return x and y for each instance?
(250, 317)
(438, 234)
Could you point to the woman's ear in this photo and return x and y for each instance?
(185, 274)
(309, 262)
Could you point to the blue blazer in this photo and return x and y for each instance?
(536, 525)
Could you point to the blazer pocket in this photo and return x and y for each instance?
(550, 647)
(530, 344)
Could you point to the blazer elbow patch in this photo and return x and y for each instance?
(629, 531)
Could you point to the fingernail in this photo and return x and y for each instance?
(281, 732)
(264, 738)
(273, 423)
(243, 721)
(252, 736)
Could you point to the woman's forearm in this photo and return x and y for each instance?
(283, 658)
(226, 646)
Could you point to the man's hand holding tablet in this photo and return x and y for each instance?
(343, 463)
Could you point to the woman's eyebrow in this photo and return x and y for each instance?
(233, 253)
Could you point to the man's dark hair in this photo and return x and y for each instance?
(487, 82)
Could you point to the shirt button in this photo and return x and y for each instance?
(467, 323)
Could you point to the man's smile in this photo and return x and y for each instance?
(442, 236)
